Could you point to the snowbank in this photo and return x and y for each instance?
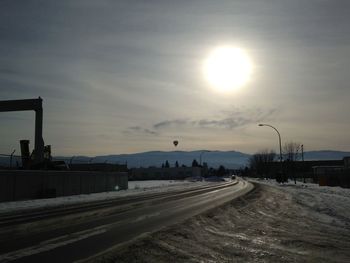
(331, 203)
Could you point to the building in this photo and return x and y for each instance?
(105, 167)
(336, 175)
(173, 173)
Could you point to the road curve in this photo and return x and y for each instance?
(79, 234)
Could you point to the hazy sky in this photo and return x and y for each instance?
(126, 76)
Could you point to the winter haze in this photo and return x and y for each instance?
(126, 76)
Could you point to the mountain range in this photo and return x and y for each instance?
(229, 159)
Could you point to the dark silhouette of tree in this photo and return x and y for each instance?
(221, 171)
(260, 162)
(292, 153)
(195, 163)
(167, 165)
(176, 164)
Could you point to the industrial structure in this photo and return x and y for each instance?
(29, 105)
(39, 176)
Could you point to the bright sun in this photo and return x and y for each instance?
(227, 68)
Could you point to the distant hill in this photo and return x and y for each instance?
(230, 159)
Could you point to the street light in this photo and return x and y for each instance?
(279, 139)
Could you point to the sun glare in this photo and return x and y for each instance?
(227, 68)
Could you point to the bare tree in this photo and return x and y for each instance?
(260, 162)
(167, 165)
(292, 153)
(195, 163)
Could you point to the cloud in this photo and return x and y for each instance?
(167, 123)
(140, 130)
(226, 123)
(230, 120)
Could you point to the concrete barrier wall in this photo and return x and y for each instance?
(21, 185)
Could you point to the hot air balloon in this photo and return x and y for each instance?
(175, 143)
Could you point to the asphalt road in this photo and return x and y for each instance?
(80, 234)
(273, 223)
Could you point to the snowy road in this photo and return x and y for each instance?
(273, 223)
(76, 236)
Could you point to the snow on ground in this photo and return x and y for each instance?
(135, 188)
(332, 202)
(273, 223)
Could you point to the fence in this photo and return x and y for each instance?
(10, 160)
(32, 184)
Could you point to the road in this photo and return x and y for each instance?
(77, 233)
(272, 223)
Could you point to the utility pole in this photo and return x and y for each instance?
(302, 152)
(302, 159)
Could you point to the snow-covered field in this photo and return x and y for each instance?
(135, 188)
(273, 223)
(330, 203)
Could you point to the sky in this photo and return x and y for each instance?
(127, 76)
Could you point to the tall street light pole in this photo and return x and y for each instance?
(279, 139)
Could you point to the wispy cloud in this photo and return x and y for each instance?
(140, 130)
(233, 119)
(230, 120)
(167, 123)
